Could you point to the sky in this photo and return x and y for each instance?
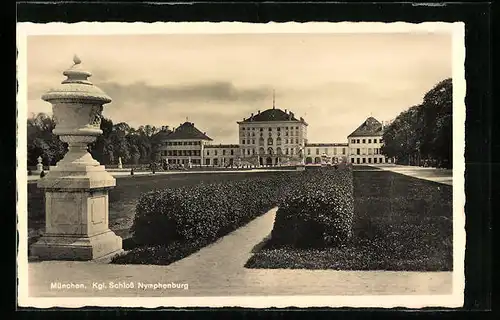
(334, 81)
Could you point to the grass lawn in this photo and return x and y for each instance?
(123, 198)
(401, 223)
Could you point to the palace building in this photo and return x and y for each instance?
(273, 137)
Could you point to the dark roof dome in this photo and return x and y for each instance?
(371, 127)
(187, 131)
(272, 115)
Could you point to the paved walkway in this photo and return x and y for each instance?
(444, 176)
(217, 270)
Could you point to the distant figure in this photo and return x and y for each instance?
(132, 171)
(42, 174)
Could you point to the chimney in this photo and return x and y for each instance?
(285, 111)
(252, 115)
(258, 112)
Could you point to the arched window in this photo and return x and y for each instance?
(270, 141)
(278, 141)
(262, 151)
(278, 151)
(261, 141)
(270, 150)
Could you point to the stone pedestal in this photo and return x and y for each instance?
(76, 189)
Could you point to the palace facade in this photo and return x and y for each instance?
(273, 137)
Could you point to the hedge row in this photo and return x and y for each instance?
(317, 212)
(205, 211)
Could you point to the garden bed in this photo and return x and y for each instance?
(400, 223)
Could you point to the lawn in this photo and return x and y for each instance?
(123, 198)
(400, 223)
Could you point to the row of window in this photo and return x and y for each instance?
(288, 151)
(326, 151)
(174, 153)
(369, 160)
(364, 140)
(270, 134)
(365, 151)
(183, 143)
(270, 129)
(270, 141)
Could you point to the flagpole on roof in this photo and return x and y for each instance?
(274, 98)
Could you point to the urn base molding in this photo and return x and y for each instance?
(66, 247)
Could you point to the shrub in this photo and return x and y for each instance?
(316, 212)
(203, 211)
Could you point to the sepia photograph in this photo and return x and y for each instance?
(236, 164)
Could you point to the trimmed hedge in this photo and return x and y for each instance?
(318, 211)
(204, 211)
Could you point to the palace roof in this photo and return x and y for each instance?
(272, 115)
(326, 144)
(187, 131)
(371, 127)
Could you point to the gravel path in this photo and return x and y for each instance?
(444, 176)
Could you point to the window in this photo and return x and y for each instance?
(364, 140)
(343, 150)
(317, 151)
(243, 141)
(375, 150)
(279, 129)
(253, 151)
(352, 160)
(261, 129)
(296, 140)
(286, 141)
(243, 129)
(353, 140)
(248, 151)
(208, 152)
(270, 141)
(369, 140)
(253, 141)
(358, 151)
(374, 160)
(207, 162)
(287, 151)
(286, 134)
(326, 150)
(369, 160)
(308, 151)
(364, 160)
(370, 152)
(261, 141)
(215, 152)
(278, 141)
(232, 152)
(357, 140)
(270, 129)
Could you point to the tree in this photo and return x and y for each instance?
(42, 142)
(423, 131)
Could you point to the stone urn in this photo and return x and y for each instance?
(76, 189)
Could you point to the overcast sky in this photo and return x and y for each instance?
(334, 81)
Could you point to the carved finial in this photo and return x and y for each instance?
(76, 60)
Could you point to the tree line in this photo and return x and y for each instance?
(134, 146)
(422, 135)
